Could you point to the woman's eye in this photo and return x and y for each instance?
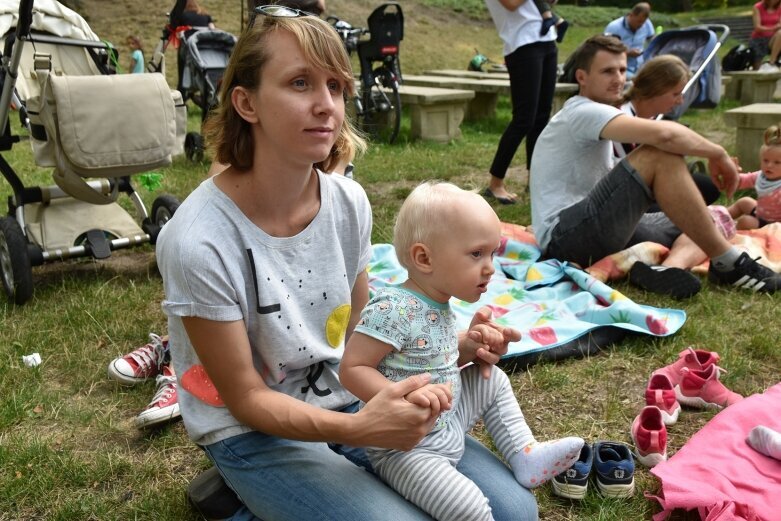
(299, 83)
(335, 86)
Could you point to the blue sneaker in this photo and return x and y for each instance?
(615, 470)
(573, 482)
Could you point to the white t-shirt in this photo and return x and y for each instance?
(519, 27)
(293, 294)
(569, 159)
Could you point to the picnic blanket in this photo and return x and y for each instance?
(552, 303)
(764, 243)
(719, 474)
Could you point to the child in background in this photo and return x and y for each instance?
(549, 19)
(753, 213)
(136, 54)
(446, 239)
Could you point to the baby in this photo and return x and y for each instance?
(753, 213)
(446, 239)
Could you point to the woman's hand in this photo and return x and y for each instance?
(437, 397)
(390, 421)
(485, 342)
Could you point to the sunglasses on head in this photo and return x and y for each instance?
(277, 11)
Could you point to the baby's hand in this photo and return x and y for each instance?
(437, 397)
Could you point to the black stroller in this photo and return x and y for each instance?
(92, 129)
(202, 57)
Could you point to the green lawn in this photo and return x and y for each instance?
(68, 448)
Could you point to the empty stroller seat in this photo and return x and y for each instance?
(103, 126)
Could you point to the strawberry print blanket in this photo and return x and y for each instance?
(550, 302)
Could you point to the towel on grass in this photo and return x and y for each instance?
(550, 302)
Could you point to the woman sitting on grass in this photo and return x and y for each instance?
(264, 267)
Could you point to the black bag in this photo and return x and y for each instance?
(739, 58)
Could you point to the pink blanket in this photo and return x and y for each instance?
(718, 473)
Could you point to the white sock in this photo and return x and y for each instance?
(766, 441)
(726, 261)
(538, 462)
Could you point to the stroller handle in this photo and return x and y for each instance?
(720, 29)
(25, 17)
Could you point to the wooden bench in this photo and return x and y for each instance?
(752, 86)
(740, 27)
(436, 113)
(476, 75)
(487, 90)
(751, 122)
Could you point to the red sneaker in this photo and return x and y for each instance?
(650, 437)
(702, 389)
(142, 364)
(694, 359)
(660, 393)
(164, 406)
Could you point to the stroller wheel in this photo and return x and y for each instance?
(15, 267)
(193, 146)
(163, 208)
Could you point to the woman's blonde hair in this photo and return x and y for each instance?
(229, 136)
(657, 76)
(420, 215)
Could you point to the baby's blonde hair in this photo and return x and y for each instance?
(420, 215)
(772, 138)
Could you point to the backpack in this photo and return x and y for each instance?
(739, 58)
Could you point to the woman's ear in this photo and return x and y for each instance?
(244, 104)
(420, 257)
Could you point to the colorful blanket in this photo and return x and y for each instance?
(763, 243)
(550, 302)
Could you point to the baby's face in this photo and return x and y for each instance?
(770, 162)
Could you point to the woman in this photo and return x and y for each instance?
(656, 90)
(264, 273)
(531, 61)
(766, 37)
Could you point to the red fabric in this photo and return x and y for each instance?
(718, 473)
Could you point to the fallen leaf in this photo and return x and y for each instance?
(38, 409)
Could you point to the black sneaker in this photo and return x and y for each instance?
(573, 482)
(211, 497)
(664, 280)
(747, 274)
(614, 469)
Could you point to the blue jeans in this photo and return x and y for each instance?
(279, 479)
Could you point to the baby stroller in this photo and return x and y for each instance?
(696, 46)
(54, 69)
(202, 56)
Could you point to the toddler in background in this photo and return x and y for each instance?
(446, 239)
(136, 54)
(753, 213)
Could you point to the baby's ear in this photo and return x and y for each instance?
(420, 257)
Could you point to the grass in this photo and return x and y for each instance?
(68, 448)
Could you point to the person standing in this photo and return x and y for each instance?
(531, 61)
(634, 29)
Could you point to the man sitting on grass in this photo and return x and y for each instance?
(585, 208)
